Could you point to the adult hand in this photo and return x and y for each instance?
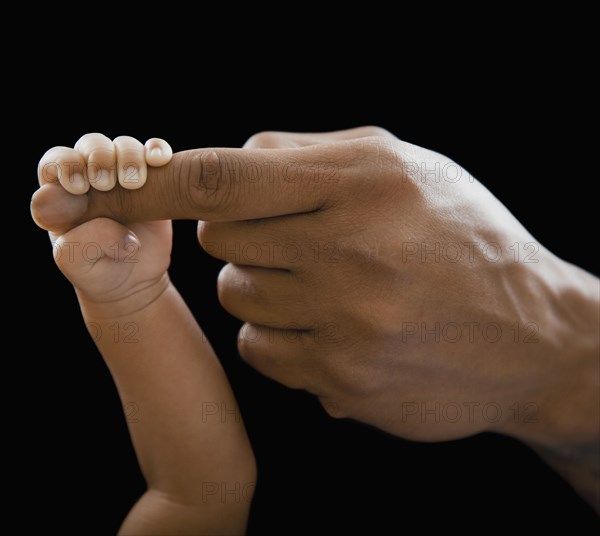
(386, 280)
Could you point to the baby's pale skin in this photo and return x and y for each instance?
(192, 456)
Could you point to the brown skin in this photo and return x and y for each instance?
(327, 239)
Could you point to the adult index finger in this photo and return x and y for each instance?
(219, 184)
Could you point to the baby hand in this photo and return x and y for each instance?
(111, 266)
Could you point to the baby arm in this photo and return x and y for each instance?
(187, 431)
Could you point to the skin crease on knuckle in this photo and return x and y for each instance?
(373, 173)
(265, 140)
(205, 181)
(117, 203)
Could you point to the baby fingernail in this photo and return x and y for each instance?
(132, 175)
(78, 181)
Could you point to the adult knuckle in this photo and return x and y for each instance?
(332, 408)
(348, 368)
(247, 341)
(224, 285)
(373, 130)
(204, 180)
(235, 287)
(267, 139)
(375, 168)
(375, 152)
(243, 346)
(207, 233)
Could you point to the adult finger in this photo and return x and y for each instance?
(231, 184)
(279, 140)
(274, 298)
(281, 355)
(284, 242)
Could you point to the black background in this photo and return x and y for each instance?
(513, 120)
